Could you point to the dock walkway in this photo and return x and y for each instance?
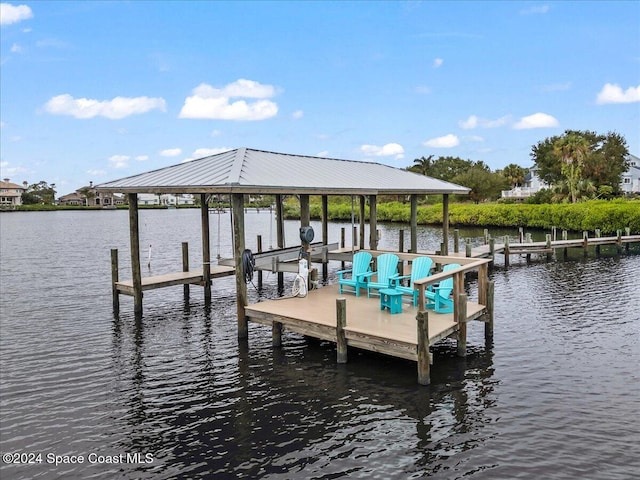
(191, 277)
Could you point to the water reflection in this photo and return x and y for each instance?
(248, 409)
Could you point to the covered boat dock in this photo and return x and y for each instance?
(355, 321)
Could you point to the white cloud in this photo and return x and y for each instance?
(15, 48)
(537, 120)
(119, 161)
(208, 102)
(297, 114)
(474, 122)
(388, 150)
(170, 152)
(613, 93)
(96, 173)
(12, 14)
(216, 133)
(538, 9)
(474, 138)
(119, 107)
(323, 153)
(446, 141)
(142, 158)
(437, 62)
(207, 152)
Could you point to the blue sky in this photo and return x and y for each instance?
(94, 91)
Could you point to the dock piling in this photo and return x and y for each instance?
(341, 323)
(114, 280)
(424, 358)
(461, 319)
(185, 268)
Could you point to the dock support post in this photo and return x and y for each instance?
(342, 244)
(341, 323)
(619, 241)
(445, 224)
(373, 222)
(488, 325)
(486, 236)
(237, 205)
(413, 220)
(276, 334)
(134, 237)
(401, 250)
(325, 235)
(506, 251)
(114, 279)
(206, 251)
(461, 319)
(627, 232)
(280, 234)
(456, 241)
(467, 248)
(185, 268)
(492, 249)
(362, 220)
(424, 358)
(521, 234)
(259, 246)
(598, 235)
(585, 243)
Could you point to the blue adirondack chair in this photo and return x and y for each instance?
(387, 268)
(360, 267)
(440, 298)
(420, 268)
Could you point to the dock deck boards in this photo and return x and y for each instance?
(368, 327)
(192, 277)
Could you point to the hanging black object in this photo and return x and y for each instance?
(306, 234)
(248, 264)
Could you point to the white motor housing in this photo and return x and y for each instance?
(303, 272)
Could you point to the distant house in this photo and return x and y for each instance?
(631, 178)
(531, 185)
(630, 183)
(166, 199)
(89, 197)
(11, 193)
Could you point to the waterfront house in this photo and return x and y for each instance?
(631, 178)
(11, 193)
(629, 184)
(88, 196)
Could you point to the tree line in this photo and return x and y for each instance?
(577, 165)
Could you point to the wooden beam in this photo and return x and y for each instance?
(114, 280)
(373, 222)
(325, 232)
(185, 268)
(414, 224)
(134, 240)
(362, 220)
(206, 251)
(341, 324)
(445, 224)
(237, 206)
(424, 360)
(280, 234)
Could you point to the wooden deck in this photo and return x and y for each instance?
(367, 326)
(192, 277)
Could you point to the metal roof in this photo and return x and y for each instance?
(245, 170)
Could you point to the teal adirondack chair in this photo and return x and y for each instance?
(420, 268)
(360, 267)
(387, 268)
(440, 298)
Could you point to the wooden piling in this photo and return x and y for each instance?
(259, 247)
(280, 241)
(492, 249)
(237, 206)
(134, 239)
(185, 268)
(401, 250)
(585, 243)
(488, 324)
(342, 244)
(619, 241)
(506, 251)
(598, 235)
(373, 222)
(460, 309)
(467, 248)
(445, 224)
(114, 279)
(627, 232)
(548, 247)
(362, 220)
(424, 359)
(325, 235)
(413, 221)
(456, 241)
(341, 324)
(206, 252)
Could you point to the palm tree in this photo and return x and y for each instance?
(515, 174)
(572, 150)
(422, 165)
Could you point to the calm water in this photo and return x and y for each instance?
(557, 396)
